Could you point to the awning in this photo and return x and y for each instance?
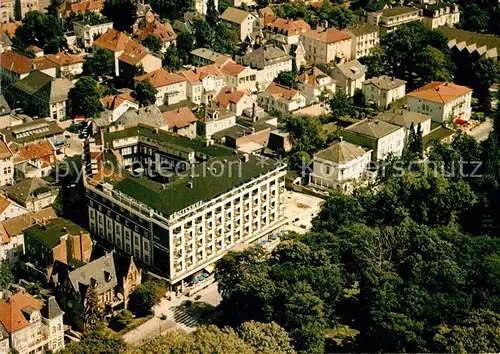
(210, 268)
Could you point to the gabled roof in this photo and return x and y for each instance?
(4, 150)
(161, 77)
(133, 53)
(228, 95)
(402, 117)
(372, 128)
(440, 92)
(293, 27)
(341, 152)
(4, 106)
(33, 151)
(150, 116)
(15, 62)
(179, 118)
(231, 68)
(81, 7)
(163, 31)
(112, 40)
(235, 15)
(328, 36)
(266, 55)
(352, 69)
(113, 101)
(63, 59)
(11, 311)
(100, 273)
(14, 226)
(385, 82)
(45, 87)
(4, 203)
(311, 77)
(280, 92)
(5, 40)
(362, 29)
(27, 189)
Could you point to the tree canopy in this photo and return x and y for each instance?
(145, 93)
(84, 98)
(101, 63)
(153, 43)
(121, 12)
(42, 30)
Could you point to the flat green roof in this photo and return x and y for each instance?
(181, 142)
(50, 234)
(206, 184)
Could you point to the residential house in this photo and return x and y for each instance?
(205, 56)
(214, 121)
(240, 77)
(381, 137)
(67, 65)
(340, 166)
(242, 22)
(364, 38)
(8, 9)
(37, 51)
(12, 236)
(170, 87)
(152, 26)
(137, 59)
(32, 132)
(34, 160)
(440, 14)
(390, 18)
(201, 6)
(15, 67)
(181, 121)
(281, 98)
(269, 61)
(33, 326)
(118, 104)
(473, 44)
(115, 42)
(246, 139)
(266, 15)
(444, 102)
(112, 277)
(286, 31)
(86, 31)
(383, 90)
(233, 100)
(6, 164)
(5, 42)
(42, 95)
(407, 120)
(349, 76)
(326, 45)
(315, 84)
(59, 239)
(32, 193)
(80, 7)
(149, 115)
(10, 209)
(203, 83)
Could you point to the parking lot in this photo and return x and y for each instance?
(300, 209)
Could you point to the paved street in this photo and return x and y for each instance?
(482, 131)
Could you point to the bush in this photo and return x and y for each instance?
(122, 320)
(144, 297)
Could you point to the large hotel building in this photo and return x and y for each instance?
(180, 223)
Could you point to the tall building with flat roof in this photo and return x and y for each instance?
(179, 205)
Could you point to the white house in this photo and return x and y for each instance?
(86, 32)
(383, 90)
(242, 22)
(286, 31)
(10, 209)
(407, 120)
(349, 76)
(215, 121)
(269, 61)
(203, 83)
(314, 84)
(324, 45)
(445, 102)
(440, 14)
(234, 101)
(240, 77)
(339, 166)
(68, 65)
(382, 137)
(118, 104)
(364, 38)
(281, 98)
(6, 164)
(170, 87)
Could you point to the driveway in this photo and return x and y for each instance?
(482, 131)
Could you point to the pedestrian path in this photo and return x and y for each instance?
(181, 318)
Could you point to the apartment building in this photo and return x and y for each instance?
(215, 120)
(6, 164)
(203, 83)
(381, 137)
(170, 87)
(340, 166)
(32, 325)
(408, 120)
(389, 19)
(85, 31)
(286, 31)
(440, 14)
(326, 45)
(240, 77)
(281, 98)
(242, 22)
(349, 76)
(182, 223)
(8, 9)
(445, 102)
(364, 38)
(383, 90)
(269, 61)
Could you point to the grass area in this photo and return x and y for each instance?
(136, 322)
(328, 128)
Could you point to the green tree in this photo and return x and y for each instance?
(375, 63)
(212, 16)
(227, 41)
(44, 31)
(144, 297)
(340, 105)
(84, 98)
(486, 72)
(17, 10)
(287, 78)
(433, 65)
(101, 63)
(121, 12)
(185, 45)
(340, 17)
(145, 93)
(266, 338)
(153, 43)
(172, 9)
(6, 276)
(122, 319)
(93, 312)
(172, 60)
(204, 34)
(305, 132)
(100, 340)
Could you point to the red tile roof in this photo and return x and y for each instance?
(441, 92)
(11, 314)
(4, 204)
(279, 91)
(20, 64)
(81, 7)
(116, 100)
(63, 59)
(4, 150)
(112, 40)
(228, 95)
(291, 26)
(35, 151)
(163, 31)
(328, 36)
(133, 53)
(179, 118)
(231, 68)
(161, 77)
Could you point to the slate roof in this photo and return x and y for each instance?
(102, 271)
(440, 92)
(149, 115)
(470, 38)
(402, 117)
(362, 29)
(235, 15)
(266, 55)
(45, 87)
(385, 82)
(372, 128)
(207, 54)
(27, 189)
(51, 309)
(352, 69)
(341, 152)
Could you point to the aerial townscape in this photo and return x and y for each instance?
(249, 176)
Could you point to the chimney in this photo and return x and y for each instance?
(253, 113)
